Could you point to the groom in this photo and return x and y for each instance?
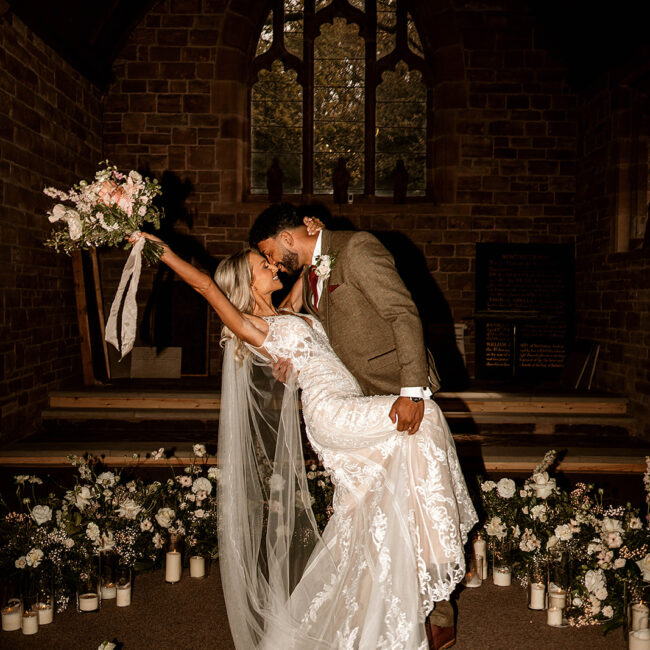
(350, 283)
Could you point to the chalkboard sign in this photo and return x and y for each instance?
(524, 309)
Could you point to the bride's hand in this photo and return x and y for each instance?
(137, 235)
(314, 225)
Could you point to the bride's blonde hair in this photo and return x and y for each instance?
(234, 278)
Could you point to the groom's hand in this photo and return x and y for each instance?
(408, 414)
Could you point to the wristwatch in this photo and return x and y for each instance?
(415, 399)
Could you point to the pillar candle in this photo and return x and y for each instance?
(639, 640)
(197, 566)
(639, 616)
(173, 567)
(554, 616)
(537, 596)
(108, 591)
(88, 602)
(45, 613)
(501, 576)
(124, 595)
(11, 617)
(557, 598)
(30, 622)
(480, 550)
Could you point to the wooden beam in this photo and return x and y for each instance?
(100, 309)
(82, 318)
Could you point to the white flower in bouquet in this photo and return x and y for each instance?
(516, 532)
(190, 497)
(619, 562)
(146, 525)
(552, 542)
(276, 482)
(311, 476)
(157, 540)
(21, 479)
(41, 514)
(184, 481)
(604, 558)
(601, 593)
(488, 486)
(496, 528)
(202, 485)
(608, 611)
(199, 450)
(611, 530)
(106, 479)
(529, 541)
(83, 497)
(131, 486)
(324, 265)
(595, 604)
(183, 506)
(564, 532)
(199, 513)
(214, 473)
(35, 480)
(506, 488)
(92, 532)
(84, 472)
(21, 562)
(539, 512)
(106, 645)
(165, 517)
(157, 455)
(547, 461)
(594, 580)
(543, 485)
(71, 217)
(644, 567)
(129, 509)
(635, 523)
(34, 557)
(69, 543)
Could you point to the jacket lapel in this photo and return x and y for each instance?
(324, 303)
(306, 292)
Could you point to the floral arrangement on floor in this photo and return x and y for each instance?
(108, 510)
(605, 549)
(104, 211)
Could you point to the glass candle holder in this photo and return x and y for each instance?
(174, 559)
(108, 568)
(29, 621)
(11, 604)
(473, 571)
(501, 564)
(45, 597)
(89, 587)
(124, 582)
(537, 580)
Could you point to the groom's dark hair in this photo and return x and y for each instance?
(272, 221)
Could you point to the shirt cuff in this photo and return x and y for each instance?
(415, 391)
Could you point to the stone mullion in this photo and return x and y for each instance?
(308, 101)
(370, 97)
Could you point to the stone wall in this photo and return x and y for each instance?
(50, 134)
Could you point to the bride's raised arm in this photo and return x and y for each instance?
(244, 326)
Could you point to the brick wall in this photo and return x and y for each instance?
(613, 294)
(504, 133)
(50, 134)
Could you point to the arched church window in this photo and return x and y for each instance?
(339, 81)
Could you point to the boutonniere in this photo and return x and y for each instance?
(324, 265)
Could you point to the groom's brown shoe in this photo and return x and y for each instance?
(440, 637)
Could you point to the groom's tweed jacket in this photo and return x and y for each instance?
(369, 315)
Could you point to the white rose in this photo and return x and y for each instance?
(594, 580)
(106, 479)
(214, 473)
(202, 484)
(564, 532)
(41, 514)
(611, 525)
(34, 557)
(488, 486)
(165, 517)
(608, 611)
(496, 528)
(619, 563)
(543, 485)
(276, 483)
(199, 450)
(129, 509)
(107, 541)
(539, 512)
(21, 562)
(601, 593)
(146, 525)
(69, 543)
(506, 488)
(135, 177)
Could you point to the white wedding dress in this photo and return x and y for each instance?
(402, 513)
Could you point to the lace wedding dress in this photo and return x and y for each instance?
(394, 544)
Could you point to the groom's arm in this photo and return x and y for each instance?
(371, 269)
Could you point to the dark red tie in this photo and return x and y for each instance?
(313, 285)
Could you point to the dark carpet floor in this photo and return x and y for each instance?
(191, 615)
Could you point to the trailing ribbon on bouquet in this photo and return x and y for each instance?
(131, 272)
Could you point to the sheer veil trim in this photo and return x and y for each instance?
(267, 530)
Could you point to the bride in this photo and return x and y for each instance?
(393, 546)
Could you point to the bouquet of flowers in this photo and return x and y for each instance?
(105, 211)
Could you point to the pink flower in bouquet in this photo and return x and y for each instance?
(105, 192)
